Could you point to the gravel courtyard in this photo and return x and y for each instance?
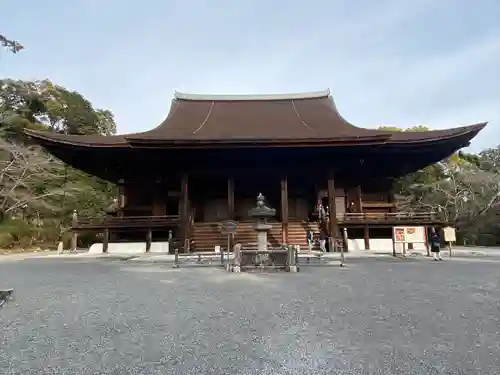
(378, 316)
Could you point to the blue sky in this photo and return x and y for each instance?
(391, 62)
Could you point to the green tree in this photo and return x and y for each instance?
(44, 105)
(36, 189)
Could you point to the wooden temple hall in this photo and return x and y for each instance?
(213, 154)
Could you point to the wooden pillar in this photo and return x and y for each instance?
(284, 209)
(121, 198)
(230, 197)
(74, 235)
(185, 196)
(185, 211)
(149, 239)
(105, 240)
(332, 210)
(359, 199)
(367, 237)
(392, 199)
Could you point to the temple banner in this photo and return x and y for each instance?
(409, 234)
(449, 234)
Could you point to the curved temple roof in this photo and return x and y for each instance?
(281, 119)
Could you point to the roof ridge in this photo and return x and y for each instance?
(254, 97)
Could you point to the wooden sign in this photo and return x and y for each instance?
(449, 234)
(228, 227)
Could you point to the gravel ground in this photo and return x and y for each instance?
(379, 316)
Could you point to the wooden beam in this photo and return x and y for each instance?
(284, 209)
(332, 210)
(121, 198)
(230, 197)
(392, 199)
(359, 199)
(149, 239)
(366, 236)
(185, 196)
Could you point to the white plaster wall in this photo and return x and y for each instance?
(381, 244)
(129, 247)
(385, 244)
(356, 244)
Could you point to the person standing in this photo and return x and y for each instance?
(435, 242)
(310, 239)
(321, 211)
(322, 239)
(351, 208)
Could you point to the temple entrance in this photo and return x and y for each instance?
(247, 187)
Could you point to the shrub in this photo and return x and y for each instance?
(6, 240)
(20, 231)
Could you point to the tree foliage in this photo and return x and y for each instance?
(464, 189)
(10, 44)
(35, 187)
(44, 105)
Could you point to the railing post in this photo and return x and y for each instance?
(149, 239)
(105, 241)
(74, 236)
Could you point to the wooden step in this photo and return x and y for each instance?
(207, 235)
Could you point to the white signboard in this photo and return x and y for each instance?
(449, 234)
(409, 234)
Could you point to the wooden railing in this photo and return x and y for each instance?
(393, 217)
(139, 222)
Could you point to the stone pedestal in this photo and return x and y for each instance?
(262, 257)
(262, 228)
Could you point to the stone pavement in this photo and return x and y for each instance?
(378, 316)
(458, 252)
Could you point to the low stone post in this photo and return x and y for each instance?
(74, 237)
(60, 247)
(292, 267)
(149, 239)
(237, 258)
(176, 258)
(170, 240)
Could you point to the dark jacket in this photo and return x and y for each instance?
(435, 241)
(310, 236)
